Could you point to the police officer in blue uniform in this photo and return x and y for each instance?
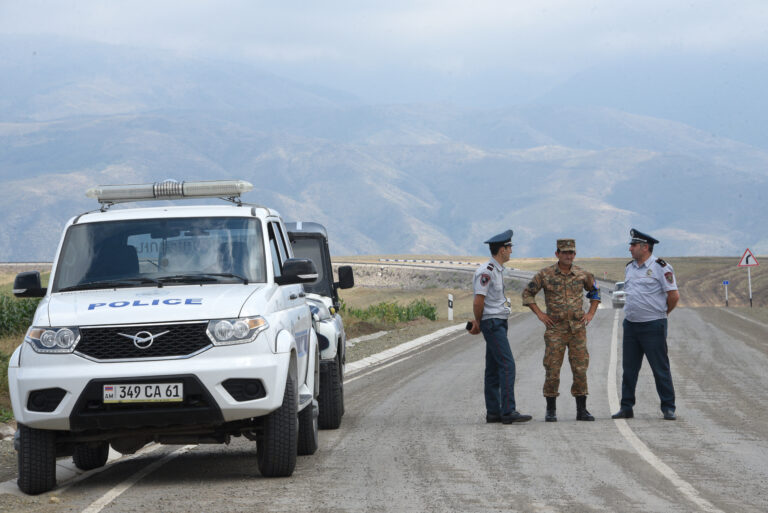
(651, 295)
(491, 312)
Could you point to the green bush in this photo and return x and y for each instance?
(16, 314)
(391, 312)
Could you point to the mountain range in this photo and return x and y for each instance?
(426, 178)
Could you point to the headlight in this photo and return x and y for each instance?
(52, 340)
(226, 332)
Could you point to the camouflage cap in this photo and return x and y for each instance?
(566, 245)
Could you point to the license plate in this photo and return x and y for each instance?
(144, 393)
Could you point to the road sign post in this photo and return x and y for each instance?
(749, 261)
(450, 307)
(725, 282)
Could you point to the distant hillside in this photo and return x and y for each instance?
(383, 179)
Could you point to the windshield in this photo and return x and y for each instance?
(173, 251)
(312, 249)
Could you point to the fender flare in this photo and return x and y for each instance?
(285, 342)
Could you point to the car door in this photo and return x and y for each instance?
(296, 312)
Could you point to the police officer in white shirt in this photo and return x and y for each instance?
(491, 313)
(651, 294)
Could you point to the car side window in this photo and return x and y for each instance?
(280, 242)
(274, 249)
(285, 241)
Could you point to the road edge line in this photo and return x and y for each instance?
(665, 470)
(393, 352)
(118, 490)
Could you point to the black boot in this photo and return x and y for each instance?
(581, 408)
(551, 416)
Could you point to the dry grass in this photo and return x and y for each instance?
(363, 297)
(700, 279)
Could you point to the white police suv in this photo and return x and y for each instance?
(171, 324)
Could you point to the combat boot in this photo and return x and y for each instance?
(551, 415)
(581, 408)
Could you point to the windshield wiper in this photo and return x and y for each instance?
(229, 275)
(108, 284)
(200, 278)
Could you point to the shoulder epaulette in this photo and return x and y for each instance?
(661, 262)
(629, 262)
(489, 267)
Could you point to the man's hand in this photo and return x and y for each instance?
(587, 318)
(475, 327)
(546, 319)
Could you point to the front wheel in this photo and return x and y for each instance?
(277, 444)
(308, 436)
(331, 395)
(37, 460)
(89, 456)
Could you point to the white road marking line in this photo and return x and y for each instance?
(115, 492)
(357, 366)
(744, 317)
(362, 374)
(67, 474)
(613, 400)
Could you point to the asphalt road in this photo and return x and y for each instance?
(414, 439)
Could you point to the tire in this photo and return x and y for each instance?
(308, 425)
(89, 456)
(278, 443)
(331, 400)
(37, 460)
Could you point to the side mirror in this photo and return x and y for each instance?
(27, 284)
(297, 270)
(346, 279)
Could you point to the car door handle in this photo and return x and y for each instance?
(293, 296)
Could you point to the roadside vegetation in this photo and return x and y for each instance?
(15, 317)
(361, 318)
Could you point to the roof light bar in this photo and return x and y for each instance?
(168, 189)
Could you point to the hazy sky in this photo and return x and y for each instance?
(480, 51)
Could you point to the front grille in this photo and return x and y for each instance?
(108, 343)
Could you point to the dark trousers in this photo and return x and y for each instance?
(649, 339)
(499, 368)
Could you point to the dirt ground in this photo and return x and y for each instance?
(700, 279)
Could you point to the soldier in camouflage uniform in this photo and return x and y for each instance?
(564, 285)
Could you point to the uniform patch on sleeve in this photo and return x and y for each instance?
(670, 277)
(484, 279)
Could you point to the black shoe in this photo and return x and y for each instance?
(624, 413)
(551, 415)
(669, 414)
(515, 416)
(492, 418)
(581, 408)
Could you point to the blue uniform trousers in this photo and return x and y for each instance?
(499, 368)
(649, 339)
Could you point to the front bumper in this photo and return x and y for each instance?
(207, 401)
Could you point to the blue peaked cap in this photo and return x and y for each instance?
(640, 237)
(501, 238)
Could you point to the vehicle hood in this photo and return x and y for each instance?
(151, 305)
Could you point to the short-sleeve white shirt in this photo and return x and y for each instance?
(489, 282)
(646, 287)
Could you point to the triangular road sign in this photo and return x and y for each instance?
(747, 259)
